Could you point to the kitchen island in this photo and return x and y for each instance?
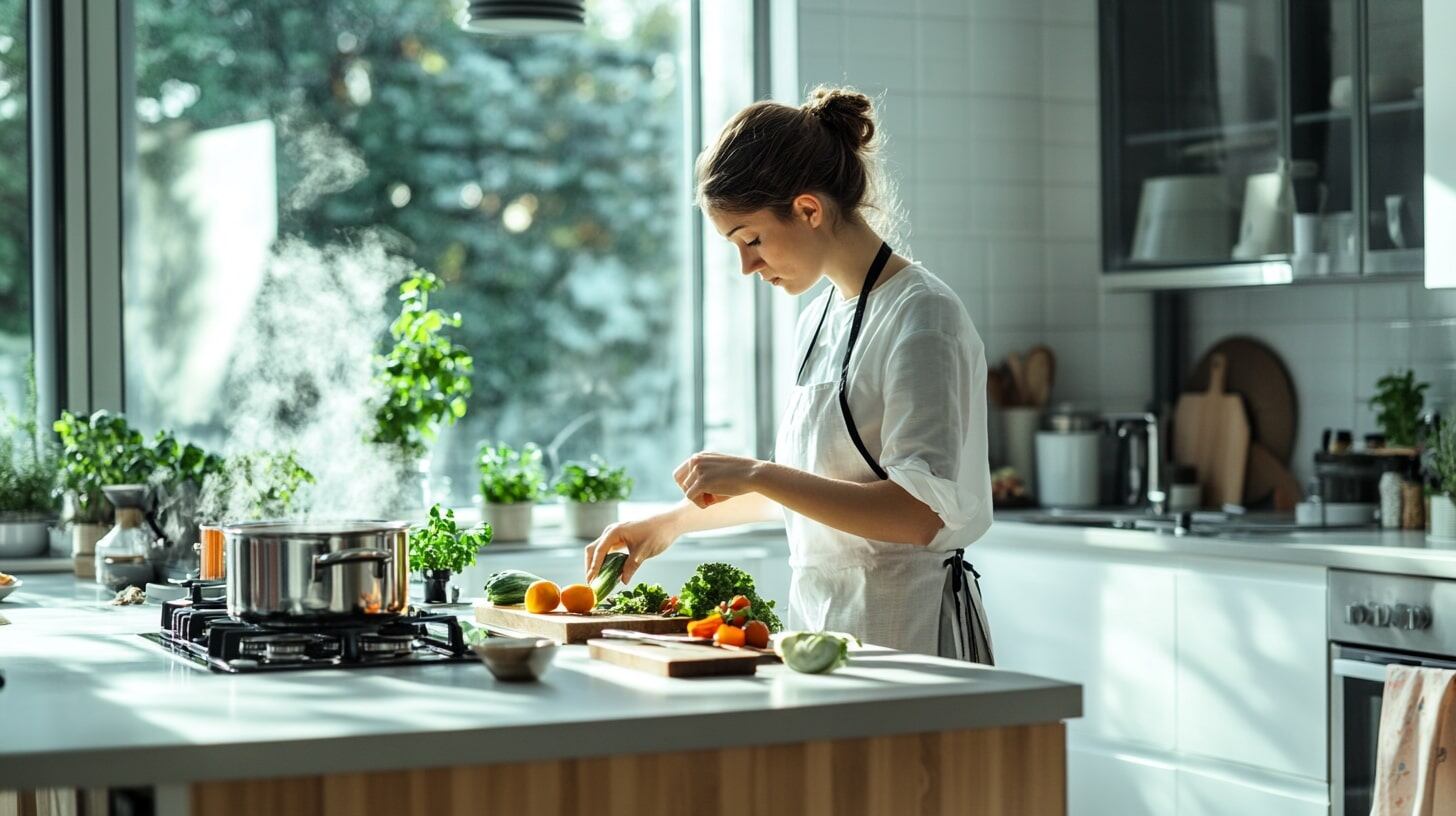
(88, 704)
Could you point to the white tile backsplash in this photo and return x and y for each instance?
(991, 120)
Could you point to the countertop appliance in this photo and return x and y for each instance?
(1374, 621)
(199, 629)
(1067, 459)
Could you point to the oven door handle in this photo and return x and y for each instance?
(1359, 669)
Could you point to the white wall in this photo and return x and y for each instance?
(990, 111)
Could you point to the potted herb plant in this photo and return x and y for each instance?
(27, 490)
(1443, 467)
(425, 378)
(1398, 402)
(592, 492)
(97, 451)
(441, 548)
(511, 482)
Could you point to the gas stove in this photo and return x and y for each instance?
(200, 630)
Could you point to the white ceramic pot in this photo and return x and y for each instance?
(589, 519)
(508, 522)
(1067, 468)
(1443, 518)
(23, 538)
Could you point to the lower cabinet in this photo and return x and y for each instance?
(1204, 794)
(1105, 783)
(1204, 679)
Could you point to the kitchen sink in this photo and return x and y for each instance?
(1114, 519)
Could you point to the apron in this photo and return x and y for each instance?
(904, 597)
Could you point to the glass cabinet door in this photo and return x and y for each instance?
(1394, 120)
(1193, 133)
(1324, 228)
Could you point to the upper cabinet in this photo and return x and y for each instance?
(1260, 141)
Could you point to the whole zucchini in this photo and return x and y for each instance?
(609, 575)
(508, 587)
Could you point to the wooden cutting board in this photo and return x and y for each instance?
(565, 627)
(673, 660)
(1211, 433)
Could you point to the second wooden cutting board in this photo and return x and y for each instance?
(565, 627)
(1211, 433)
(673, 660)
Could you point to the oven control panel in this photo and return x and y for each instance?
(1393, 611)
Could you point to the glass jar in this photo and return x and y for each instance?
(121, 555)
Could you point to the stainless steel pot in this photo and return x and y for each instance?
(317, 573)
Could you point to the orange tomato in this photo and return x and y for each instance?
(578, 598)
(705, 627)
(542, 596)
(729, 636)
(755, 634)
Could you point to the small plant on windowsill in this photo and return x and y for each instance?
(28, 499)
(441, 548)
(1398, 402)
(511, 482)
(425, 378)
(592, 492)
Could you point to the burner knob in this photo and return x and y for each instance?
(1356, 614)
(1379, 615)
(1412, 618)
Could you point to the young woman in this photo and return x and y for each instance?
(880, 467)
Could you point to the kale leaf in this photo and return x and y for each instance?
(715, 583)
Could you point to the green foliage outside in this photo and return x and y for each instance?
(1398, 403)
(442, 545)
(425, 377)
(15, 305)
(594, 482)
(1443, 462)
(510, 476)
(542, 179)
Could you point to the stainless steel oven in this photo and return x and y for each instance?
(1374, 621)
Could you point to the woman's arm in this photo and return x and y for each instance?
(748, 508)
(880, 510)
(649, 537)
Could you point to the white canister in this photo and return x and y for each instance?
(1067, 467)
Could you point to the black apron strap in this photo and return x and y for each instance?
(970, 616)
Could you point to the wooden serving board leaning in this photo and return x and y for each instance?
(565, 627)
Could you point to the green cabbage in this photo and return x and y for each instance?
(814, 652)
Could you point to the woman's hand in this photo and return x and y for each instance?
(641, 539)
(708, 478)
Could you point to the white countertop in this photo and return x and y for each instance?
(87, 702)
(1397, 552)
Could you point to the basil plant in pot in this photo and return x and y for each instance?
(28, 502)
(511, 482)
(1397, 403)
(592, 492)
(424, 380)
(441, 548)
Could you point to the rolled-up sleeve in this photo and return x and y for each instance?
(934, 430)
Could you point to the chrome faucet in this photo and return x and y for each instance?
(1153, 492)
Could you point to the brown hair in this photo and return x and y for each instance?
(769, 153)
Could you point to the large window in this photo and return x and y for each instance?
(289, 163)
(15, 273)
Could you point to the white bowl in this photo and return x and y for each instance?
(516, 659)
(9, 588)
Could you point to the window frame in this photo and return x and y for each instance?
(82, 62)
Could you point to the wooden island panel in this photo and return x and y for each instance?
(1015, 770)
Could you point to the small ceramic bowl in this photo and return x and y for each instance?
(10, 587)
(516, 659)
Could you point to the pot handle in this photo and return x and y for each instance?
(352, 556)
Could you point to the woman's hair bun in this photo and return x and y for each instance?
(844, 111)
